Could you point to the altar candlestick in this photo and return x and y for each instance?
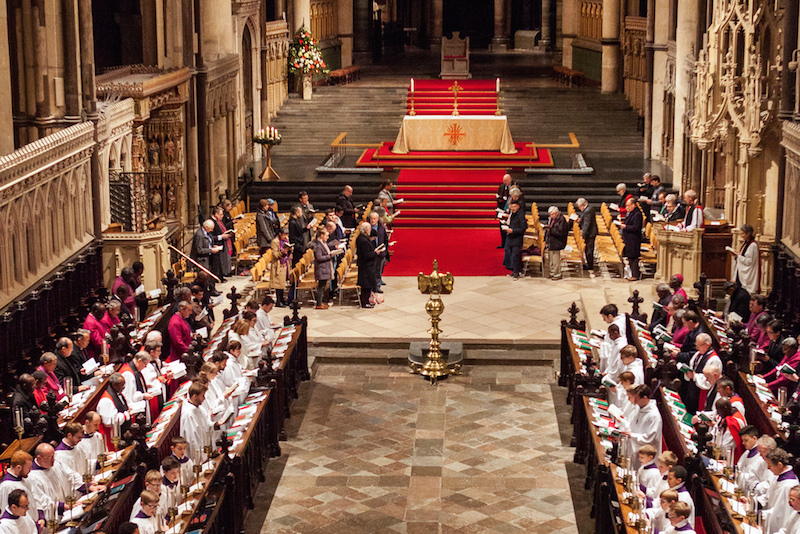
(412, 85)
(497, 86)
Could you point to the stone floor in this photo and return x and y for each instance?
(373, 449)
(495, 309)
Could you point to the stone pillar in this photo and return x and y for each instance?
(544, 42)
(72, 90)
(500, 40)
(436, 25)
(41, 71)
(345, 30)
(218, 33)
(6, 115)
(362, 32)
(301, 16)
(570, 21)
(648, 98)
(685, 48)
(788, 80)
(190, 154)
(612, 63)
(89, 102)
(661, 38)
(149, 32)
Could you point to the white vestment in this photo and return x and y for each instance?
(746, 268)
(196, 427)
(8, 485)
(53, 485)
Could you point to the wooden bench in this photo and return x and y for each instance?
(567, 76)
(344, 75)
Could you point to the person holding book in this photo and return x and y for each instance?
(771, 357)
(689, 347)
(515, 231)
(738, 302)
(785, 374)
(610, 315)
(618, 393)
(761, 324)
(697, 384)
(631, 363)
(646, 427)
(757, 305)
(746, 261)
(660, 311)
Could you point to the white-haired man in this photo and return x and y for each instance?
(588, 224)
(557, 232)
(694, 212)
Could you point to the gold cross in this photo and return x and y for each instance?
(455, 134)
(455, 88)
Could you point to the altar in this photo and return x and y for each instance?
(454, 133)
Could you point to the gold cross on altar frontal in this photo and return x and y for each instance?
(455, 134)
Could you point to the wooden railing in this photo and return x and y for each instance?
(591, 20)
(323, 19)
(635, 62)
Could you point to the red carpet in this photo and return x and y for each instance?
(454, 160)
(447, 198)
(462, 252)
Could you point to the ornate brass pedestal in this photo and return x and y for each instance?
(434, 284)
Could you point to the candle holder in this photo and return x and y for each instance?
(412, 112)
(268, 138)
(172, 512)
(208, 449)
(197, 469)
(52, 524)
(116, 440)
(738, 493)
(101, 460)
(71, 500)
(184, 492)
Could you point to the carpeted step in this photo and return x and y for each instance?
(455, 204)
(447, 213)
(453, 222)
(452, 197)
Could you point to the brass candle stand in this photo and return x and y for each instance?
(435, 285)
(412, 112)
(197, 468)
(455, 88)
(52, 524)
(738, 493)
(208, 449)
(101, 460)
(70, 500)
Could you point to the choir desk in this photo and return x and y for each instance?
(454, 133)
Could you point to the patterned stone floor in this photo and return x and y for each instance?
(374, 449)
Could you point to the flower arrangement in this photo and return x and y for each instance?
(267, 136)
(305, 56)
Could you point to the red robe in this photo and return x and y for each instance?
(96, 337)
(108, 321)
(180, 335)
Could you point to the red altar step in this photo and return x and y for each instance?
(455, 160)
(436, 97)
(456, 196)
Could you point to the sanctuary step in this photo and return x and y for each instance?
(604, 124)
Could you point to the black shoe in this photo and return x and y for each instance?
(383, 283)
(214, 293)
(379, 290)
(368, 306)
(280, 304)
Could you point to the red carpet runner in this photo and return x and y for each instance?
(448, 215)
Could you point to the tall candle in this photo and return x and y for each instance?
(412, 85)
(497, 86)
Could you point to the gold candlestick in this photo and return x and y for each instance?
(435, 285)
(455, 88)
(197, 468)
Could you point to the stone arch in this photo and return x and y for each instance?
(42, 231)
(17, 247)
(66, 207)
(113, 157)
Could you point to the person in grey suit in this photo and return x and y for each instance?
(202, 245)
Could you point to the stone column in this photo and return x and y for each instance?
(612, 63)
(570, 21)
(544, 42)
(660, 39)
(149, 32)
(685, 36)
(86, 30)
(217, 21)
(72, 90)
(362, 32)
(500, 40)
(6, 116)
(436, 25)
(345, 30)
(41, 71)
(301, 15)
(789, 45)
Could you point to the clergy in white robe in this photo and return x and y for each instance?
(15, 519)
(230, 372)
(648, 474)
(792, 524)
(610, 348)
(263, 322)
(113, 407)
(178, 448)
(92, 444)
(777, 505)
(251, 349)
(153, 372)
(147, 519)
(646, 425)
(16, 477)
(196, 425)
(51, 482)
(675, 478)
(746, 262)
(68, 454)
(752, 467)
(631, 363)
(152, 482)
(137, 387)
(218, 402)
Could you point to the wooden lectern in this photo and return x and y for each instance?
(690, 253)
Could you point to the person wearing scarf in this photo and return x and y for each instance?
(113, 409)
